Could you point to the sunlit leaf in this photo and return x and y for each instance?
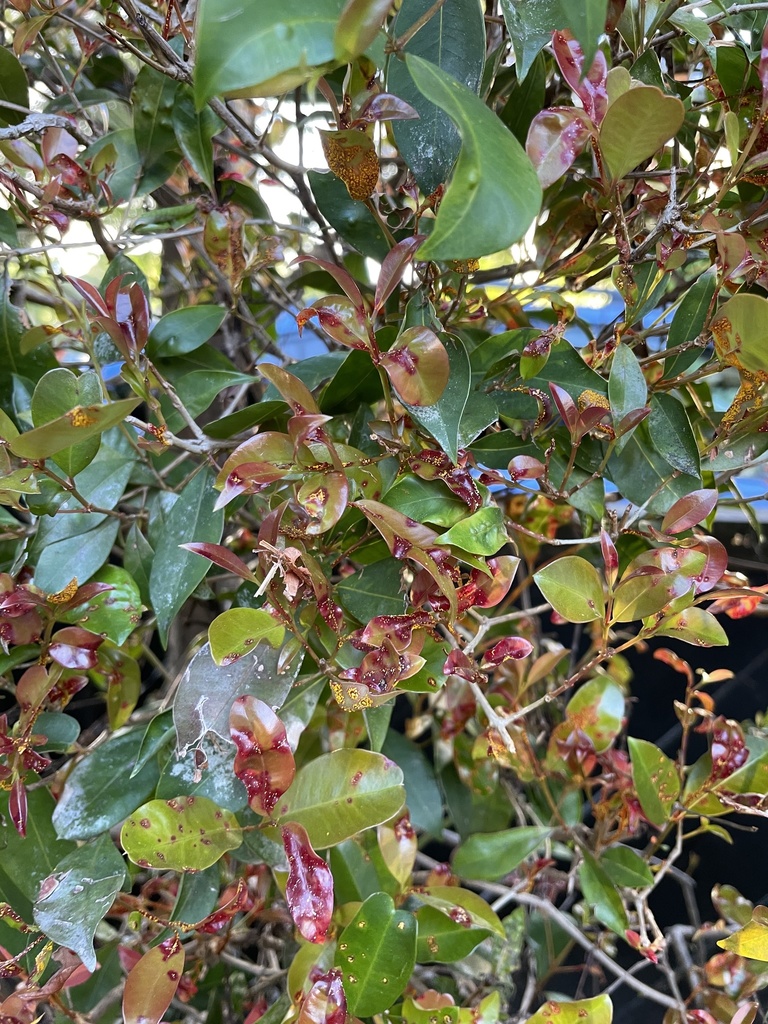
(185, 834)
(573, 587)
(240, 631)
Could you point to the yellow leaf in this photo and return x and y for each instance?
(751, 942)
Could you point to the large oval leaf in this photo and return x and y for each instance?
(418, 366)
(491, 855)
(376, 953)
(636, 125)
(494, 193)
(342, 793)
(184, 834)
(573, 587)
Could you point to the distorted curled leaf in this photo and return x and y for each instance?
(325, 1003)
(418, 366)
(324, 497)
(340, 318)
(74, 647)
(508, 649)
(351, 156)
(309, 889)
(152, 983)
(264, 762)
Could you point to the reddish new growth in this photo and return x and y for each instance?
(309, 889)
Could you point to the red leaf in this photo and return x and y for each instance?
(17, 806)
(417, 365)
(510, 648)
(689, 510)
(763, 66)
(717, 563)
(340, 318)
(565, 406)
(264, 761)
(222, 557)
(340, 275)
(152, 983)
(393, 267)
(384, 107)
(309, 889)
(556, 138)
(610, 557)
(591, 89)
(74, 647)
(326, 1002)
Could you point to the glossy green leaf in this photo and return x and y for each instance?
(240, 631)
(197, 895)
(641, 596)
(598, 1010)
(443, 940)
(482, 533)
(443, 419)
(184, 330)
(695, 626)
(494, 193)
(627, 390)
(642, 475)
(573, 587)
(375, 590)
(176, 572)
(531, 23)
(426, 501)
(55, 394)
(31, 364)
(207, 691)
(671, 433)
(60, 730)
(636, 126)
(75, 557)
(13, 87)
(100, 792)
(181, 776)
(453, 40)
(689, 320)
(114, 613)
(78, 894)
(625, 866)
(342, 793)
(376, 953)
(154, 98)
(656, 780)
(601, 895)
(264, 49)
(491, 855)
(77, 425)
(422, 792)
(194, 133)
(461, 905)
(185, 834)
(349, 217)
(27, 861)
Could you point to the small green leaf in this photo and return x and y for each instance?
(238, 631)
(689, 320)
(426, 501)
(672, 435)
(184, 330)
(422, 792)
(573, 587)
(627, 390)
(494, 193)
(185, 834)
(217, 781)
(55, 394)
(27, 861)
(176, 572)
(443, 940)
(78, 894)
(374, 590)
(13, 88)
(625, 866)
(194, 131)
(461, 905)
(358, 26)
(349, 217)
(153, 100)
(482, 533)
(580, 1011)
(77, 425)
(376, 953)
(656, 780)
(636, 125)
(342, 793)
(601, 895)
(114, 613)
(695, 626)
(491, 855)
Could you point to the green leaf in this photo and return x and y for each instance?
(453, 40)
(530, 24)
(452, 900)
(636, 125)
(526, 99)
(600, 893)
(137, 560)
(597, 710)
(694, 626)
(482, 533)
(625, 866)
(32, 364)
(491, 855)
(29, 860)
(374, 590)
(422, 792)
(153, 98)
(217, 781)
(376, 953)
(13, 87)
(573, 587)
(442, 420)
(342, 793)
(78, 894)
(640, 472)
(443, 940)
(207, 691)
(426, 501)
(56, 393)
(114, 613)
(239, 631)
(689, 320)
(75, 426)
(580, 1011)
(352, 219)
(656, 780)
(185, 834)
(184, 330)
(627, 390)
(671, 433)
(194, 133)
(176, 572)
(494, 193)
(197, 895)
(100, 792)
(261, 49)
(60, 731)
(75, 558)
